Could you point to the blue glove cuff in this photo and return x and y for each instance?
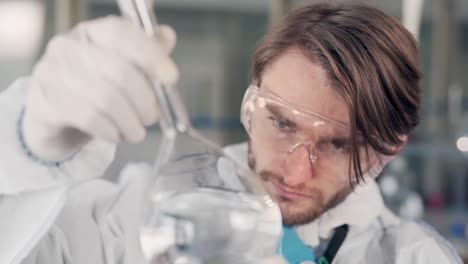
(27, 150)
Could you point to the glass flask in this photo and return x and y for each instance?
(204, 206)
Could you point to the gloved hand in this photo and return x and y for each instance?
(95, 82)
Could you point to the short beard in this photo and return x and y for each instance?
(300, 218)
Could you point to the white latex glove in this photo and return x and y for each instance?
(95, 82)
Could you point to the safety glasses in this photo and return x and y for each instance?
(282, 128)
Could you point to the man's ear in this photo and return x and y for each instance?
(404, 140)
(396, 149)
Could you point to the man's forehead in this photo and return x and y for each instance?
(298, 80)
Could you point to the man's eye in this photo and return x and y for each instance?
(340, 145)
(281, 124)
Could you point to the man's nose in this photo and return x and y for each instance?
(297, 166)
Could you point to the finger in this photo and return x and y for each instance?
(132, 85)
(167, 36)
(64, 107)
(127, 40)
(102, 95)
(111, 103)
(75, 112)
(91, 122)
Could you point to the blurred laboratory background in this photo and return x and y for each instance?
(215, 41)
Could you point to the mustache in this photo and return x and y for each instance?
(311, 192)
(266, 175)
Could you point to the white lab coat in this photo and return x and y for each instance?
(65, 214)
(62, 214)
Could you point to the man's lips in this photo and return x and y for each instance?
(283, 191)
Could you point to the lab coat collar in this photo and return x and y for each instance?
(359, 209)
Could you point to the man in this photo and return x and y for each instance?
(335, 92)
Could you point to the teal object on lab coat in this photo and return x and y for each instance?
(293, 249)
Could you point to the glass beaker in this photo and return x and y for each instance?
(204, 206)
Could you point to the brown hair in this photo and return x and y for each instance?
(371, 61)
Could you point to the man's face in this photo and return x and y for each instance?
(302, 189)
